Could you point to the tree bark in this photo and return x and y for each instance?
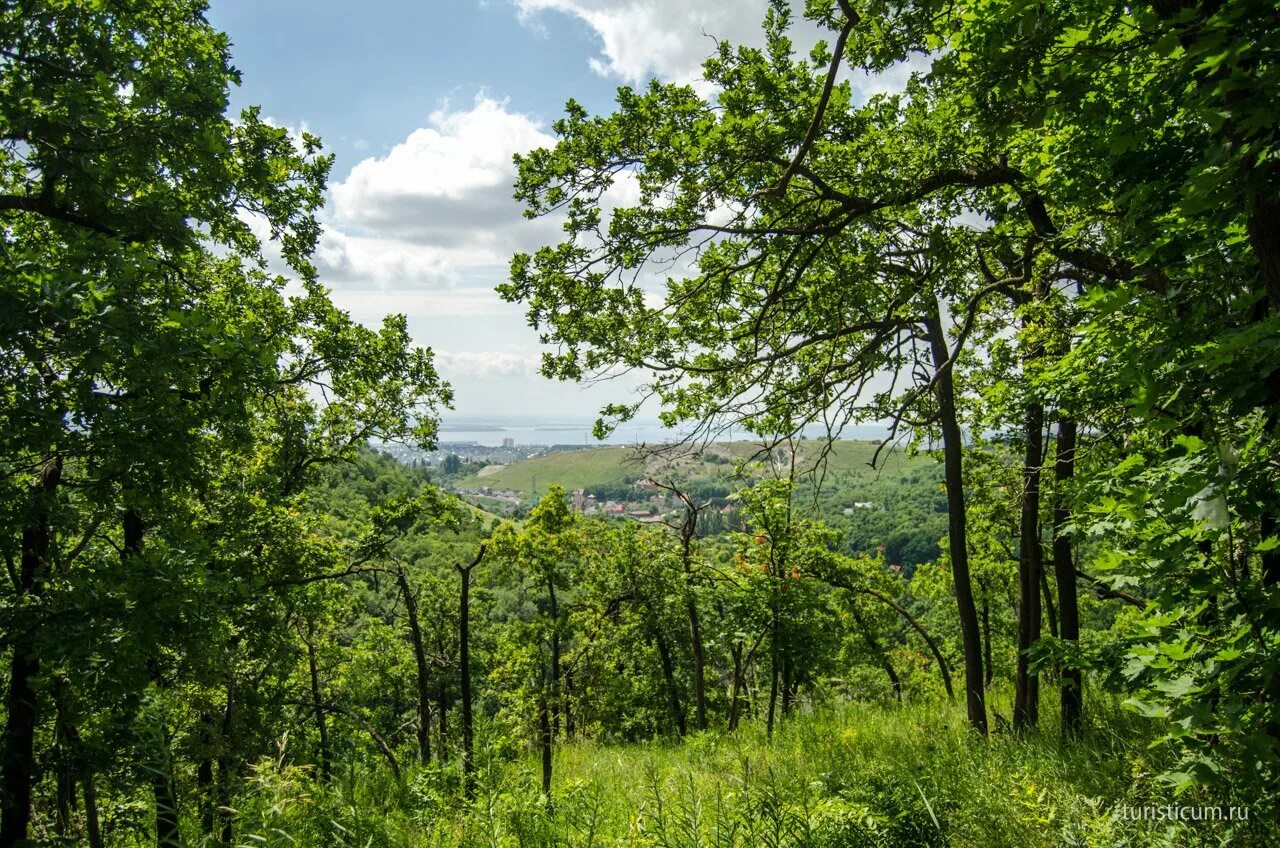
(420, 658)
(21, 702)
(554, 706)
(92, 827)
(545, 741)
(226, 766)
(464, 673)
(1026, 709)
(322, 718)
(988, 666)
(688, 532)
(1064, 569)
(735, 690)
(1046, 597)
(669, 677)
(957, 525)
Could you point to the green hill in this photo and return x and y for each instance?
(615, 465)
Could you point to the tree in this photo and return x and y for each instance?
(151, 357)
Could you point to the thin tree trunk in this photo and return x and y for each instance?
(569, 715)
(92, 826)
(464, 672)
(226, 766)
(957, 525)
(943, 667)
(168, 829)
(420, 658)
(322, 718)
(688, 532)
(442, 701)
(986, 635)
(1026, 709)
(555, 659)
(1064, 569)
(64, 755)
(735, 692)
(1046, 596)
(545, 741)
(774, 660)
(21, 703)
(204, 794)
(669, 677)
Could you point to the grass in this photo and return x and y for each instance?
(610, 465)
(853, 776)
(573, 469)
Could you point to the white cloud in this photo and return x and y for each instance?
(370, 305)
(669, 39)
(448, 184)
(470, 365)
(437, 204)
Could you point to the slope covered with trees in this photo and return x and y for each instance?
(1052, 260)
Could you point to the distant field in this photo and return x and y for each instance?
(611, 465)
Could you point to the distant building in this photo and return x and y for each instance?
(644, 485)
(508, 442)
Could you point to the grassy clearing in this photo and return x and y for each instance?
(857, 776)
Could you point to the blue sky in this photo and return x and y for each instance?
(424, 102)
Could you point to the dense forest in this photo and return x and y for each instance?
(1050, 263)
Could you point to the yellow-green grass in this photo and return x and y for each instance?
(614, 465)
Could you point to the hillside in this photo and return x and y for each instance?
(616, 465)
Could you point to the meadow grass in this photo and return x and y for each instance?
(847, 776)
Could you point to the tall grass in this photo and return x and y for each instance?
(855, 776)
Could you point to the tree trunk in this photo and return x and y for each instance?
(64, 758)
(688, 532)
(226, 766)
(545, 741)
(735, 692)
(92, 826)
(1046, 597)
(21, 708)
(569, 715)
(943, 668)
(464, 674)
(1026, 709)
(555, 659)
(774, 660)
(322, 718)
(420, 658)
(442, 702)
(988, 666)
(1064, 570)
(669, 677)
(957, 525)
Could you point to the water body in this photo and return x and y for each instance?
(492, 430)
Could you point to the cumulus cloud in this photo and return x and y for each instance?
(437, 203)
(665, 38)
(670, 39)
(486, 364)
